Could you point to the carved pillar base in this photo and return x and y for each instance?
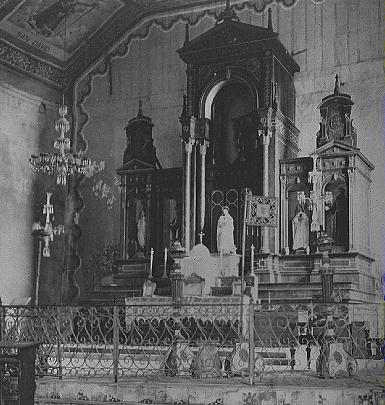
(327, 283)
(177, 288)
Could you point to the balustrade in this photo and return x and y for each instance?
(157, 339)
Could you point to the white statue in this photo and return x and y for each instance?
(225, 232)
(300, 225)
(141, 230)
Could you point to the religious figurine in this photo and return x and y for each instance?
(176, 224)
(339, 221)
(300, 225)
(141, 230)
(225, 232)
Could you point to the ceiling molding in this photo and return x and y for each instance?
(117, 29)
(25, 63)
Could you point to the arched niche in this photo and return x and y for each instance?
(229, 103)
(337, 212)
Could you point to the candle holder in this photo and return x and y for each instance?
(324, 245)
(45, 234)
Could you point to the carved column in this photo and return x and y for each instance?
(123, 216)
(148, 244)
(203, 149)
(188, 144)
(266, 135)
(352, 193)
(284, 214)
(188, 123)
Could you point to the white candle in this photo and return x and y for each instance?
(252, 259)
(151, 261)
(165, 263)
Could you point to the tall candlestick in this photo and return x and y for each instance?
(221, 262)
(252, 259)
(151, 262)
(165, 263)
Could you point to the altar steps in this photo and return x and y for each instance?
(286, 292)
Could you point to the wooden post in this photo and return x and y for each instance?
(243, 259)
(115, 349)
(37, 281)
(266, 135)
(251, 343)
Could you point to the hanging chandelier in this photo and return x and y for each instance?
(64, 163)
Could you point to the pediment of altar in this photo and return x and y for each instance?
(232, 37)
(135, 165)
(227, 33)
(336, 147)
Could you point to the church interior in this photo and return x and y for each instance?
(183, 77)
(155, 151)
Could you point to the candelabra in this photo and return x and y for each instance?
(315, 196)
(64, 163)
(44, 234)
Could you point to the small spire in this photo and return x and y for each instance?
(227, 14)
(269, 20)
(186, 34)
(140, 111)
(337, 85)
(184, 110)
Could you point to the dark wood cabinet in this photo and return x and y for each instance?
(17, 373)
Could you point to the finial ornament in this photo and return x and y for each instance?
(227, 14)
(269, 20)
(184, 109)
(140, 110)
(186, 34)
(337, 85)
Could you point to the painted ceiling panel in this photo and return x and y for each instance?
(42, 23)
(34, 29)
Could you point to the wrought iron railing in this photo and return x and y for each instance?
(201, 341)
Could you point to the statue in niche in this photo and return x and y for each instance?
(338, 219)
(141, 231)
(225, 232)
(243, 130)
(300, 228)
(176, 224)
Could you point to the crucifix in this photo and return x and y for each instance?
(201, 235)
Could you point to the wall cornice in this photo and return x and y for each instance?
(26, 63)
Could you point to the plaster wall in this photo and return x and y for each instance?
(335, 36)
(23, 130)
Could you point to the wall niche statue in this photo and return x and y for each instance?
(137, 229)
(300, 229)
(225, 232)
(337, 214)
(299, 219)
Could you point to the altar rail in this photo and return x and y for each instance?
(200, 341)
